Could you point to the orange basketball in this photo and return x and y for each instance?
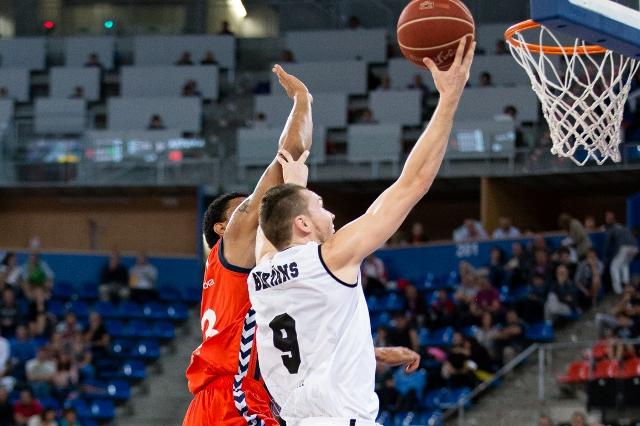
(433, 28)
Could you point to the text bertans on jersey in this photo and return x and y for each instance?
(278, 275)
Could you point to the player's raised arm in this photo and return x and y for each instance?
(295, 138)
(345, 250)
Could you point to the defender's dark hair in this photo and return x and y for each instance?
(279, 206)
(217, 212)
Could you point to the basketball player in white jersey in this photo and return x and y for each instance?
(314, 340)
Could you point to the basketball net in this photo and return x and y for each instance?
(583, 93)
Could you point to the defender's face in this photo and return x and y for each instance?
(321, 218)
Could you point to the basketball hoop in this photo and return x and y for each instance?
(582, 88)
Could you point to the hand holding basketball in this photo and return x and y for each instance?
(451, 83)
(290, 83)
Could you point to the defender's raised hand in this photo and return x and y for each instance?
(290, 83)
(450, 83)
(293, 171)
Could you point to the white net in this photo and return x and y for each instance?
(582, 95)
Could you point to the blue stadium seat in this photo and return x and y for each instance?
(430, 418)
(373, 304)
(470, 331)
(49, 403)
(163, 330)
(177, 311)
(393, 302)
(169, 293)
(79, 308)
(154, 310)
(191, 294)
(423, 336)
(105, 309)
(128, 310)
(440, 337)
(541, 332)
(135, 370)
(81, 407)
(385, 418)
(148, 350)
(139, 329)
(102, 410)
(56, 307)
(406, 382)
(453, 279)
(382, 319)
(445, 398)
(116, 328)
(62, 290)
(119, 390)
(87, 291)
(121, 348)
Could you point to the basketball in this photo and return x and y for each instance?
(433, 28)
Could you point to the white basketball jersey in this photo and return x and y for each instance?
(314, 338)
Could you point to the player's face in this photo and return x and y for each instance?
(321, 218)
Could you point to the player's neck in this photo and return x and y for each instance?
(299, 240)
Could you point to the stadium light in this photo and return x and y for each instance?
(238, 8)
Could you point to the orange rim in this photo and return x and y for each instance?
(551, 50)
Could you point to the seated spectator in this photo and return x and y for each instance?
(156, 123)
(190, 88)
(545, 420)
(457, 369)
(209, 59)
(385, 387)
(541, 264)
(41, 322)
(381, 338)
(497, 273)
(36, 273)
(624, 329)
(4, 93)
(26, 407)
(418, 84)
(385, 83)
(40, 371)
(96, 336)
(442, 310)
(366, 117)
(517, 269)
(487, 333)
(69, 418)
(69, 327)
(533, 305)
(563, 296)
(501, 47)
(66, 378)
(488, 298)
(578, 419)
(485, 79)
(142, 279)
(590, 224)
(23, 347)
(470, 231)
(403, 334)
(185, 59)
(10, 272)
(226, 29)
(563, 256)
(114, 279)
(416, 306)
(576, 234)
(537, 243)
(78, 93)
(510, 340)
(620, 248)
(417, 234)
(467, 291)
(510, 112)
(588, 279)
(353, 23)
(6, 408)
(46, 418)
(505, 229)
(9, 313)
(287, 57)
(93, 61)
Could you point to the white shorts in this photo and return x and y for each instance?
(331, 421)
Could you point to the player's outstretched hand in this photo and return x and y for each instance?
(290, 83)
(398, 355)
(450, 83)
(293, 171)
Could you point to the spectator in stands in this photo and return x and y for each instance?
(468, 289)
(287, 56)
(209, 59)
(511, 112)
(485, 79)
(10, 272)
(456, 370)
(142, 279)
(93, 60)
(563, 257)
(385, 83)
(374, 276)
(576, 234)
(505, 229)
(9, 313)
(96, 336)
(470, 231)
(517, 268)
(620, 248)
(501, 47)
(487, 299)
(366, 117)
(417, 234)
(6, 409)
(442, 310)
(40, 371)
(510, 340)
(260, 121)
(5, 356)
(403, 334)
(590, 224)
(578, 419)
(69, 327)
(69, 418)
(226, 29)
(185, 59)
(418, 84)
(4, 92)
(156, 123)
(114, 279)
(46, 418)
(497, 274)
(545, 420)
(78, 93)
(537, 243)
(541, 264)
(23, 348)
(353, 23)
(563, 296)
(66, 378)
(36, 273)
(533, 305)
(190, 88)
(41, 322)
(487, 333)
(416, 305)
(385, 387)
(26, 407)
(625, 329)
(588, 279)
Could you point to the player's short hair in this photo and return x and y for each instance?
(279, 206)
(217, 212)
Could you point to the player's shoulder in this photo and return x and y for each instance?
(217, 262)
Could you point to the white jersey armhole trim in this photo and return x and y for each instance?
(324, 265)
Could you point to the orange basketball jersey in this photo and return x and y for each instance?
(228, 326)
